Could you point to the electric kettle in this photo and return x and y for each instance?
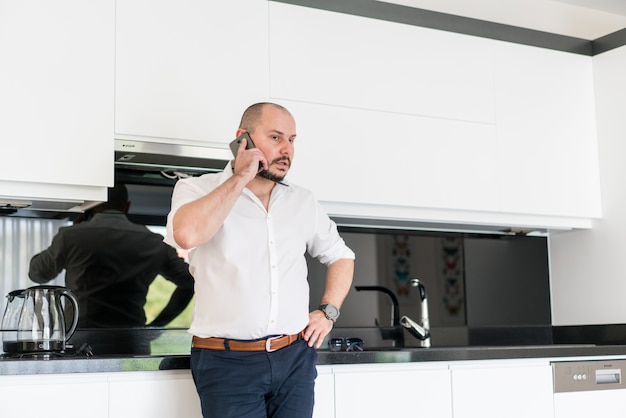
(40, 326)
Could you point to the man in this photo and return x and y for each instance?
(110, 263)
(253, 350)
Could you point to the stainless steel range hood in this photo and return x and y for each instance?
(150, 170)
(132, 156)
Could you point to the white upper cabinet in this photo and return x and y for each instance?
(390, 159)
(394, 121)
(420, 124)
(547, 139)
(186, 70)
(56, 100)
(343, 60)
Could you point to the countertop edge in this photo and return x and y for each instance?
(121, 363)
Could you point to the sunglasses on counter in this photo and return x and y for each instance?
(345, 344)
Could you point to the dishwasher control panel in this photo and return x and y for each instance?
(578, 376)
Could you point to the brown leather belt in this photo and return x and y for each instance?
(267, 344)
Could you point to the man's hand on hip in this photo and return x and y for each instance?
(317, 329)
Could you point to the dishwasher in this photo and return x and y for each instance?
(589, 388)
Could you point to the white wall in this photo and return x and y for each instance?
(588, 269)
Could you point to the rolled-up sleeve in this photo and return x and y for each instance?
(327, 245)
(185, 191)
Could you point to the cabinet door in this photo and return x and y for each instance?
(547, 132)
(186, 70)
(390, 391)
(153, 394)
(54, 396)
(361, 63)
(489, 391)
(56, 105)
(600, 403)
(324, 393)
(393, 160)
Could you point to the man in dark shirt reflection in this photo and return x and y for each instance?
(110, 263)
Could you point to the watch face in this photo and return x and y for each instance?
(331, 311)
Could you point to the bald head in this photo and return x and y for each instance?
(253, 115)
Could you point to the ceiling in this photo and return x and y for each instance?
(585, 19)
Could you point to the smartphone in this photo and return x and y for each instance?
(234, 145)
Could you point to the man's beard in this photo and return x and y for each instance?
(266, 174)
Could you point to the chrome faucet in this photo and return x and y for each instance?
(421, 330)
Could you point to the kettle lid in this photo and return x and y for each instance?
(19, 293)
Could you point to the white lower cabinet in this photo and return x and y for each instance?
(485, 389)
(54, 396)
(157, 394)
(153, 394)
(393, 390)
(324, 393)
(597, 403)
(494, 390)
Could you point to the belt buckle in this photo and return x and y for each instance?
(268, 343)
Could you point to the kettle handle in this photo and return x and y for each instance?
(70, 296)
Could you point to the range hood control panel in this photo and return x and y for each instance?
(578, 376)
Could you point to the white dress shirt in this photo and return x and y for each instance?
(251, 277)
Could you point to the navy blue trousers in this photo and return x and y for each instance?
(256, 384)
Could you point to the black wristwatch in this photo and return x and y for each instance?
(331, 311)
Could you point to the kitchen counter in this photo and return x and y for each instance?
(410, 355)
(168, 349)
(125, 363)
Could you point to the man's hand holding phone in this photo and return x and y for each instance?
(249, 160)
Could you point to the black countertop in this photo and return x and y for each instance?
(447, 354)
(127, 363)
(158, 349)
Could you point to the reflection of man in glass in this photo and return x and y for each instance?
(110, 263)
